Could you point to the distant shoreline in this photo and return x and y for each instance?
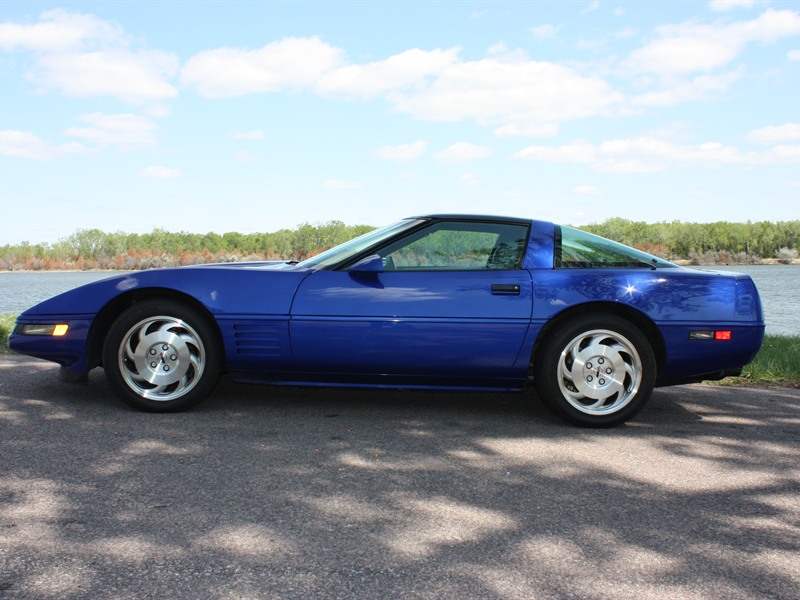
(762, 262)
(681, 263)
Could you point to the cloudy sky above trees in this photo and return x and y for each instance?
(255, 116)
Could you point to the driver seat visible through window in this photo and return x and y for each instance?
(507, 254)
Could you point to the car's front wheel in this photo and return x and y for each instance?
(595, 371)
(161, 356)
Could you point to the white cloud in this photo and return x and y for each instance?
(783, 154)
(726, 5)
(788, 132)
(502, 53)
(679, 50)
(122, 132)
(399, 71)
(683, 54)
(592, 44)
(688, 47)
(338, 184)
(647, 154)
(793, 55)
(626, 32)
(668, 152)
(627, 165)
(86, 57)
(402, 153)
(493, 91)
(133, 77)
(527, 130)
(591, 7)
(289, 63)
(545, 31)
(468, 179)
(504, 88)
(125, 132)
(160, 173)
(461, 152)
(253, 134)
(24, 144)
(704, 87)
(59, 30)
(577, 152)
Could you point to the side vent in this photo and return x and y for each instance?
(257, 339)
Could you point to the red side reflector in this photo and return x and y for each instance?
(722, 335)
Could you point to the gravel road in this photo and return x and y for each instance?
(266, 492)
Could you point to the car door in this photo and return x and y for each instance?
(449, 305)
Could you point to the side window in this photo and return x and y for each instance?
(576, 249)
(456, 245)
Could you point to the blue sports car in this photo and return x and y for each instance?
(439, 301)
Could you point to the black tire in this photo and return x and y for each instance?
(161, 356)
(596, 370)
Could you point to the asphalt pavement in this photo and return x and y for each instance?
(270, 492)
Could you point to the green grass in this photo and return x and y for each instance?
(6, 323)
(777, 363)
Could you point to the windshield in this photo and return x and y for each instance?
(344, 252)
(579, 250)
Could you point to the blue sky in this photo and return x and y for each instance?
(255, 116)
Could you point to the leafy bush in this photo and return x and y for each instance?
(786, 256)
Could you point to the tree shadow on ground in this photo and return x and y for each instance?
(268, 492)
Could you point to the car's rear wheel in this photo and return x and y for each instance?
(595, 371)
(161, 356)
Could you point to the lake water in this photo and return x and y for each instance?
(779, 286)
(22, 289)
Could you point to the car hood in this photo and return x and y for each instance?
(242, 288)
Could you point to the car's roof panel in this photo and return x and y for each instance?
(473, 217)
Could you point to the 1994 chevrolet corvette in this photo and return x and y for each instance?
(439, 301)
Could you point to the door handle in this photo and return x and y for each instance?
(505, 288)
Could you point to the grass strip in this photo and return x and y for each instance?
(6, 324)
(777, 363)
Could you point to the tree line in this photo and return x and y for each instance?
(707, 243)
(88, 249)
(697, 243)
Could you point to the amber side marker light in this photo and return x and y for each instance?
(56, 330)
(722, 335)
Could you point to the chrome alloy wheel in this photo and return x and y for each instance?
(599, 372)
(161, 358)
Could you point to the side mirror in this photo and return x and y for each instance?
(370, 264)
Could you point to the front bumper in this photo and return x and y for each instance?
(68, 350)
